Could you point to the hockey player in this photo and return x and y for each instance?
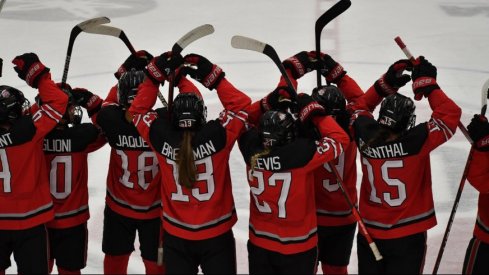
(283, 225)
(193, 154)
(133, 200)
(396, 201)
(478, 249)
(336, 224)
(66, 150)
(26, 203)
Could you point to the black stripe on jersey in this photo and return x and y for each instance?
(312, 234)
(334, 214)
(367, 224)
(29, 215)
(72, 214)
(113, 199)
(233, 214)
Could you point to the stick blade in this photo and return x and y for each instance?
(191, 36)
(93, 22)
(331, 14)
(484, 97)
(104, 30)
(246, 43)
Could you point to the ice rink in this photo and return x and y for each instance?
(452, 34)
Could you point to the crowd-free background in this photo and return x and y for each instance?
(452, 34)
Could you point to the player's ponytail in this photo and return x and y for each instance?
(255, 157)
(187, 172)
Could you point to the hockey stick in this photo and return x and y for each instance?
(119, 33)
(241, 42)
(322, 21)
(74, 33)
(408, 54)
(1, 60)
(178, 47)
(246, 43)
(2, 2)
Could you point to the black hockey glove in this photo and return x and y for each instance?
(390, 82)
(204, 71)
(424, 78)
(29, 68)
(137, 61)
(308, 107)
(300, 64)
(279, 99)
(330, 69)
(479, 132)
(87, 100)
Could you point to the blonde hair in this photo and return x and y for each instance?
(255, 157)
(187, 171)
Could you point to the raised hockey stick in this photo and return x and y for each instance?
(119, 33)
(241, 42)
(74, 33)
(246, 43)
(178, 47)
(2, 2)
(322, 21)
(1, 60)
(408, 54)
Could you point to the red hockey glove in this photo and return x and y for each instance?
(301, 63)
(308, 107)
(330, 69)
(160, 67)
(479, 132)
(278, 99)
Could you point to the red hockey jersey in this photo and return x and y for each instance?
(133, 178)
(207, 210)
(478, 176)
(282, 206)
(332, 208)
(24, 185)
(396, 197)
(66, 152)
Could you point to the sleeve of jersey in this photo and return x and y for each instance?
(254, 112)
(350, 88)
(186, 86)
(111, 97)
(53, 107)
(444, 120)
(332, 143)
(140, 108)
(478, 174)
(363, 106)
(231, 98)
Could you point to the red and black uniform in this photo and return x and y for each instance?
(26, 203)
(478, 249)
(283, 223)
(133, 201)
(396, 200)
(66, 151)
(336, 224)
(205, 214)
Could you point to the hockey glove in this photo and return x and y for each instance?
(87, 100)
(479, 132)
(390, 82)
(424, 78)
(308, 107)
(300, 64)
(330, 69)
(160, 67)
(278, 99)
(29, 68)
(202, 70)
(137, 61)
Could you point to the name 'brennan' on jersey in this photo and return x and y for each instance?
(392, 150)
(203, 150)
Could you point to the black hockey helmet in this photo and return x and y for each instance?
(127, 87)
(13, 104)
(74, 113)
(188, 111)
(331, 98)
(397, 112)
(277, 128)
